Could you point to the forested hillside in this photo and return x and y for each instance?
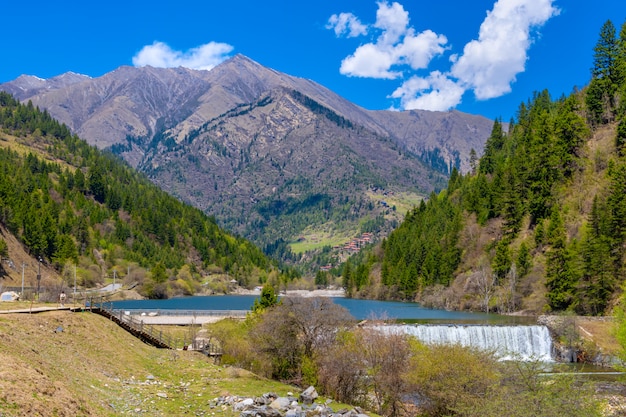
(540, 222)
(71, 204)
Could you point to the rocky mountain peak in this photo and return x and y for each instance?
(268, 154)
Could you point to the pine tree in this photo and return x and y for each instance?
(268, 298)
(606, 54)
(606, 75)
(620, 137)
(561, 279)
(524, 260)
(501, 263)
(494, 144)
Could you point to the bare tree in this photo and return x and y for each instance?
(366, 366)
(484, 281)
(298, 327)
(386, 355)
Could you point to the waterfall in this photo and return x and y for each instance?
(508, 342)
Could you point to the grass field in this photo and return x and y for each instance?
(80, 364)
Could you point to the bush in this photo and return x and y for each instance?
(446, 378)
(297, 328)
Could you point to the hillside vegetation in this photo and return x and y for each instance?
(68, 204)
(277, 159)
(540, 222)
(81, 364)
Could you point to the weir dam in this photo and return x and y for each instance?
(515, 342)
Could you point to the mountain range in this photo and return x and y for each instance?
(272, 157)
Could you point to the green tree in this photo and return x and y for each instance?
(606, 54)
(501, 263)
(268, 298)
(4, 248)
(620, 137)
(348, 278)
(97, 183)
(321, 278)
(607, 75)
(524, 260)
(159, 274)
(561, 276)
(488, 162)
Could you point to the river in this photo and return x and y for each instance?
(360, 309)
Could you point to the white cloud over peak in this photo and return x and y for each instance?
(397, 44)
(346, 24)
(203, 57)
(436, 92)
(487, 66)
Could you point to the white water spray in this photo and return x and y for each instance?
(523, 343)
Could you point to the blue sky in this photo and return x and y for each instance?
(481, 57)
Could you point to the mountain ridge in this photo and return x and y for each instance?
(268, 154)
(239, 80)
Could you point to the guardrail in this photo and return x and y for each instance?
(154, 335)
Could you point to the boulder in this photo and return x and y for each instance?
(280, 403)
(308, 396)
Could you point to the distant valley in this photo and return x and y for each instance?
(277, 159)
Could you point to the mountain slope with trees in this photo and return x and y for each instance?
(69, 204)
(277, 159)
(540, 222)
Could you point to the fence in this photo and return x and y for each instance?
(151, 334)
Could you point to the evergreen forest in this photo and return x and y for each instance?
(539, 224)
(69, 204)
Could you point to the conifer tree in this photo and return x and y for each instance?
(501, 263)
(561, 279)
(524, 260)
(606, 75)
(494, 144)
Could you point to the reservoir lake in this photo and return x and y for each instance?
(360, 309)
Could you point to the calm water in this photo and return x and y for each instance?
(360, 309)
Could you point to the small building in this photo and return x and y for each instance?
(9, 296)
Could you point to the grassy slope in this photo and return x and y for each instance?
(94, 368)
(313, 238)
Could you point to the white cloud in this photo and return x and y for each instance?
(393, 20)
(437, 92)
(396, 45)
(203, 57)
(370, 61)
(490, 64)
(487, 66)
(346, 23)
(418, 50)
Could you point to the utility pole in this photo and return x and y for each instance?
(22, 293)
(38, 277)
(74, 283)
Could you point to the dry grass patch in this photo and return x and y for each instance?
(81, 364)
(600, 331)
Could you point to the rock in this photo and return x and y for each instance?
(245, 404)
(161, 394)
(309, 395)
(280, 403)
(285, 406)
